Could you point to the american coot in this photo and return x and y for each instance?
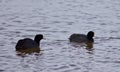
(28, 43)
(81, 38)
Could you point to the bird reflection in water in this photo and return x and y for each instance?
(88, 46)
(28, 51)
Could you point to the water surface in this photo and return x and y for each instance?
(57, 20)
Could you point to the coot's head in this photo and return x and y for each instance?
(90, 34)
(37, 38)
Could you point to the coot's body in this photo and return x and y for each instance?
(29, 43)
(80, 38)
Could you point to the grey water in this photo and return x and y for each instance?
(57, 20)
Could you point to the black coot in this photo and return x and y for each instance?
(80, 38)
(28, 43)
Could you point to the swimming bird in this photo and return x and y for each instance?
(82, 38)
(28, 43)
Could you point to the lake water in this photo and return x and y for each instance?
(57, 20)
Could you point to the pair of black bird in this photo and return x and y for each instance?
(28, 43)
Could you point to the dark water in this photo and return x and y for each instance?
(57, 20)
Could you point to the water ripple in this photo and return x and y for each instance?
(57, 20)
